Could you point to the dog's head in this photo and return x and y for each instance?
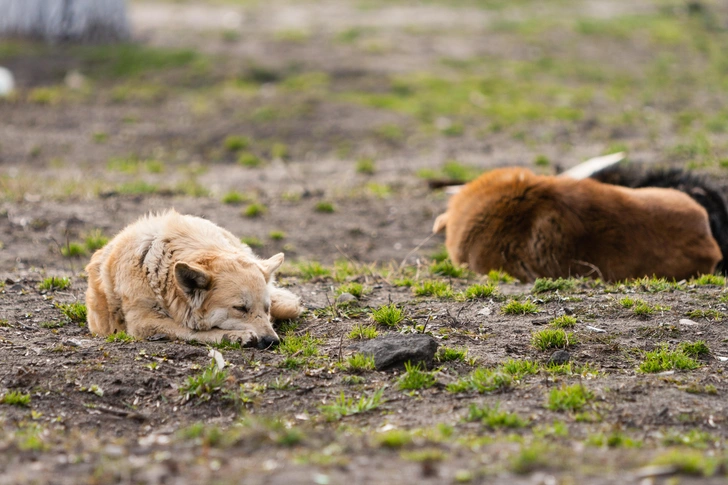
(230, 294)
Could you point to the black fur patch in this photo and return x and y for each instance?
(708, 195)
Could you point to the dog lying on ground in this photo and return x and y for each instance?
(186, 278)
(541, 226)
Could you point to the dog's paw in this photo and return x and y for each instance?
(244, 338)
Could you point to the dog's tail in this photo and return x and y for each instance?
(593, 165)
(440, 223)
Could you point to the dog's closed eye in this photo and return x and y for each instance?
(241, 308)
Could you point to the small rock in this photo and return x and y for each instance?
(346, 298)
(540, 321)
(568, 311)
(75, 80)
(394, 350)
(687, 321)
(595, 329)
(560, 357)
(722, 359)
(485, 311)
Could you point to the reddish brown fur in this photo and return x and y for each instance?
(539, 226)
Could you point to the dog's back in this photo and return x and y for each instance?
(536, 226)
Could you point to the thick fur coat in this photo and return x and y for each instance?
(186, 278)
(698, 187)
(541, 226)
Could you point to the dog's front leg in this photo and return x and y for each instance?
(144, 322)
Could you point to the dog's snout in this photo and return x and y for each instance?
(268, 342)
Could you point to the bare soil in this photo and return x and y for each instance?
(113, 412)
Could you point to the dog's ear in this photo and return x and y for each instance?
(440, 223)
(191, 278)
(269, 266)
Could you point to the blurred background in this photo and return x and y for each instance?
(296, 117)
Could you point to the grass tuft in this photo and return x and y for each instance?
(663, 359)
(481, 380)
(388, 315)
(416, 377)
(495, 418)
(552, 338)
(515, 307)
(347, 406)
(363, 332)
(542, 285)
(564, 321)
(55, 283)
(202, 386)
(477, 291)
(76, 312)
(439, 289)
(569, 398)
(15, 398)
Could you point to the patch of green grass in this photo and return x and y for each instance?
(30, 438)
(234, 198)
(552, 338)
(571, 369)
(356, 289)
(131, 60)
(642, 308)
(569, 398)
(73, 250)
(481, 380)
(277, 235)
(15, 398)
(256, 209)
(709, 314)
(709, 279)
(542, 161)
(564, 321)
(494, 418)
(388, 315)
(304, 345)
(615, 439)
(394, 438)
(542, 285)
(365, 166)
(499, 276)
(235, 143)
(447, 268)
(416, 377)
(689, 462)
(693, 438)
(252, 241)
(520, 368)
(203, 385)
(55, 283)
(440, 255)
(363, 332)
(120, 337)
(312, 269)
(51, 325)
(451, 354)
(76, 312)
(515, 307)
(531, 458)
(344, 406)
(478, 291)
(439, 289)
(390, 132)
(663, 359)
(358, 363)
(137, 187)
(95, 240)
(694, 349)
(627, 302)
(249, 160)
(325, 207)
(408, 282)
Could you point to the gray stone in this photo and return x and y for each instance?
(560, 357)
(394, 350)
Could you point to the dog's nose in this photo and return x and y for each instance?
(268, 342)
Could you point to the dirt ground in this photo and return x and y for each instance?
(311, 128)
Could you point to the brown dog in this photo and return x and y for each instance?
(539, 226)
(187, 278)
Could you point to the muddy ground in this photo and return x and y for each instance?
(312, 128)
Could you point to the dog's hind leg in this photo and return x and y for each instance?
(284, 305)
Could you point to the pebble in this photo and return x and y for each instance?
(560, 357)
(346, 298)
